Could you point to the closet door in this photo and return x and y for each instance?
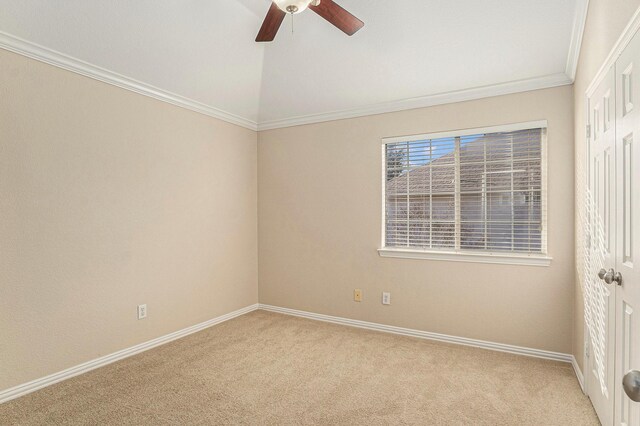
(626, 269)
(599, 296)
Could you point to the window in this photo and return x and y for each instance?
(471, 195)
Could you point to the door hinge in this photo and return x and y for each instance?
(588, 130)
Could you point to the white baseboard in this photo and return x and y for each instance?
(23, 389)
(578, 372)
(501, 347)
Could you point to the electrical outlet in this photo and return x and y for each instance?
(142, 311)
(386, 298)
(357, 295)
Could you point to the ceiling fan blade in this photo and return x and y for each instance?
(338, 16)
(271, 24)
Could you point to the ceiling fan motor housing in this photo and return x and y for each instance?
(293, 6)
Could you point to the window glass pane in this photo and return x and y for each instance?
(499, 236)
(419, 208)
(419, 181)
(472, 235)
(443, 235)
(396, 234)
(442, 151)
(443, 208)
(443, 179)
(528, 237)
(472, 149)
(419, 234)
(472, 208)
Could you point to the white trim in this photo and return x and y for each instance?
(500, 347)
(69, 63)
(544, 175)
(511, 127)
(461, 256)
(622, 42)
(577, 33)
(34, 385)
(383, 223)
(52, 57)
(579, 375)
(538, 83)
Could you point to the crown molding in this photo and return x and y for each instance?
(518, 86)
(577, 33)
(35, 51)
(627, 35)
(32, 50)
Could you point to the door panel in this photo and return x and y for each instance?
(627, 236)
(600, 297)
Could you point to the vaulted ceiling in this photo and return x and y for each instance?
(202, 53)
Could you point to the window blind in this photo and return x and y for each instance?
(474, 192)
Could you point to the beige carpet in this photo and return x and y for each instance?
(265, 368)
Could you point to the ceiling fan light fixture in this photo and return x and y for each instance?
(292, 6)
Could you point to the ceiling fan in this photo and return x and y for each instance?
(327, 9)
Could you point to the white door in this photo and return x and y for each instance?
(627, 259)
(600, 297)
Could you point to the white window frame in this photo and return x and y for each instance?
(508, 258)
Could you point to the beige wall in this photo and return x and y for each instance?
(605, 22)
(320, 222)
(110, 199)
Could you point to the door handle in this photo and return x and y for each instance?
(617, 278)
(610, 276)
(631, 385)
(602, 273)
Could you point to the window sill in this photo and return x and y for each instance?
(453, 256)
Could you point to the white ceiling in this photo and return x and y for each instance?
(203, 50)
